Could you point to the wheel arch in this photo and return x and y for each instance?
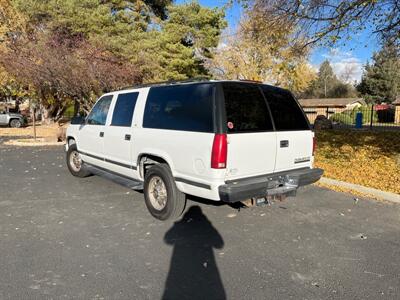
(146, 159)
(70, 138)
(14, 118)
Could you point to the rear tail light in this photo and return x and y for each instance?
(314, 145)
(219, 151)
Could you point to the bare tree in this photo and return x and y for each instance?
(264, 51)
(348, 72)
(331, 20)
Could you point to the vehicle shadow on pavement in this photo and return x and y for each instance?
(234, 205)
(193, 272)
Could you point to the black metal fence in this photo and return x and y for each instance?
(369, 117)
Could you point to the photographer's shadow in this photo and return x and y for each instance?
(193, 272)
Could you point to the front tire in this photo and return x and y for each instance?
(15, 123)
(163, 199)
(75, 163)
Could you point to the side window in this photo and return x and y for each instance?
(286, 112)
(123, 110)
(246, 110)
(187, 107)
(98, 115)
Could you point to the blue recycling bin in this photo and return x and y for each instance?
(359, 119)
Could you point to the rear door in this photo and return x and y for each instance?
(294, 137)
(251, 138)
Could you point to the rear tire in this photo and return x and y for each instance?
(15, 123)
(74, 162)
(163, 199)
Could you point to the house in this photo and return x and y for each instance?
(397, 110)
(328, 106)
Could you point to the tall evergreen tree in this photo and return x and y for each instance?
(381, 79)
(326, 78)
(186, 39)
(327, 85)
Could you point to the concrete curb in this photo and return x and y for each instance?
(391, 197)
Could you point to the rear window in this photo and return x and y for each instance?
(246, 110)
(286, 113)
(186, 107)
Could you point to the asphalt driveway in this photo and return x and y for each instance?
(67, 238)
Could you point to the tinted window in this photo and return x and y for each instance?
(286, 112)
(98, 115)
(246, 110)
(123, 110)
(180, 107)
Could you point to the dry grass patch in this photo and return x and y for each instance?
(32, 142)
(367, 158)
(42, 131)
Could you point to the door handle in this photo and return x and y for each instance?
(127, 137)
(284, 143)
(101, 134)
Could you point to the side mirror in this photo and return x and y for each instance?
(79, 120)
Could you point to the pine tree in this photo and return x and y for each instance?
(327, 85)
(326, 78)
(381, 79)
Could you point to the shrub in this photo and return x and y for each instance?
(342, 118)
(386, 115)
(366, 112)
(347, 112)
(69, 112)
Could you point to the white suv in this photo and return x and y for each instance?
(220, 140)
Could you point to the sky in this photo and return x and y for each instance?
(354, 54)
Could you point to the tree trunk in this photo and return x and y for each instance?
(85, 105)
(47, 115)
(52, 114)
(76, 107)
(59, 113)
(34, 125)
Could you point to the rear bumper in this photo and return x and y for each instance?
(282, 183)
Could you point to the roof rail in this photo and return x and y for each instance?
(168, 82)
(251, 80)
